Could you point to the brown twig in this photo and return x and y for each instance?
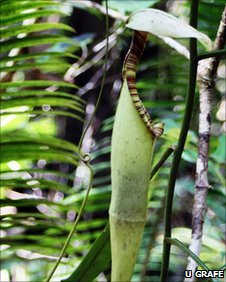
(206, 81)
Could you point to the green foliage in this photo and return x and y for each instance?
(33, 97)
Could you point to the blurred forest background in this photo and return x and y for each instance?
(52, 58)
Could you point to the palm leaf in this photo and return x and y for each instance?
(23, 147)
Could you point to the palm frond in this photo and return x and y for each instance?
(32, 89)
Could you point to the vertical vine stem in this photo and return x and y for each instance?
(180, 145)
(102, 82)
(74, 225)
(84, 157)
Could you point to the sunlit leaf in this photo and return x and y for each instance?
(6, 20)
(33, 41)
(161, 23)
(13, 31)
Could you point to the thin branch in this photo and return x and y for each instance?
(206, 80)
(181, 142)
(77, 68)
(102, 82)
(215, 53)
(68, 240)
(162, 160)
(85, 157)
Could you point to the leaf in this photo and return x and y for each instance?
(26, 93)
(35, 152)
(6, 20)
(36, 83)
(41, 112)
(187, 251)
(47, 66)
(13, 7)
(50, 141)
(28, 139)
(161, 23)
(37, 55)
(34, 41)
(96, 261)
(15, 30)
(40, 101)
(27, 202)
(33, 183)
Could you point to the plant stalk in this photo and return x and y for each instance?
(180, 145)
(162, 160)
(84, 156)
(214, 53)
